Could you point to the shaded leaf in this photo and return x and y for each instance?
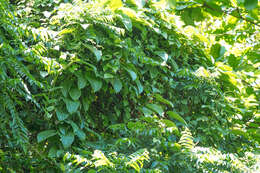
(72, 106)
(81, 81)
(45, 134)
(95, 82)
(75, 93)
(67, 139)
(250, 4)
(61, 115)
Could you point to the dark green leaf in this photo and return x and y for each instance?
(72, 106)
(97, 53)
(95, 82)
(81, 81)
(156, 108)
(163, 100)
(75, 93)
(45, 134)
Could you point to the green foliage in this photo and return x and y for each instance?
(129, 86)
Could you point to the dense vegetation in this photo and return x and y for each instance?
(129, 86)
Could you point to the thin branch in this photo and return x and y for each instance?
(225, 12)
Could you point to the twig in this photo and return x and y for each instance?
(239, 17)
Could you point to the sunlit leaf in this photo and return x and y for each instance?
(156, 108)
(176, 116)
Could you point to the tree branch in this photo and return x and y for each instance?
(225, 12)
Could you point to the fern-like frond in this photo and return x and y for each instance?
(186, 140)
(136, 159)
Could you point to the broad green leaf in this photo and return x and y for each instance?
(176, 116)
(81, 134)
(108, 76)
(250, 4)
(75, 93)
(238, 131)
(61, 115)
(52, 152)
(72, 106)
(95, 82)
(140, 86)
(85, 104)
(81, 81)
(169, 123)
(146, 111)
(127, 22)
(156, 108)
(66, 85)
(117, 85)
(132, 74)
(163, 100)
(162, 54)
(93, 49)
(67, 139)
(45, 134)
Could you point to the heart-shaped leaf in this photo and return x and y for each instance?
(75, 93)
(66, 85)
(81, 81)
(67, 139)
(72, 106)
(61, 115)
(95, 82)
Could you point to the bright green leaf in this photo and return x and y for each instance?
(132, 74)
(117, 85)
(176, 116)
(156, 108)
(163, 100)
(81, 134)
(127, 22)
(140, 86)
